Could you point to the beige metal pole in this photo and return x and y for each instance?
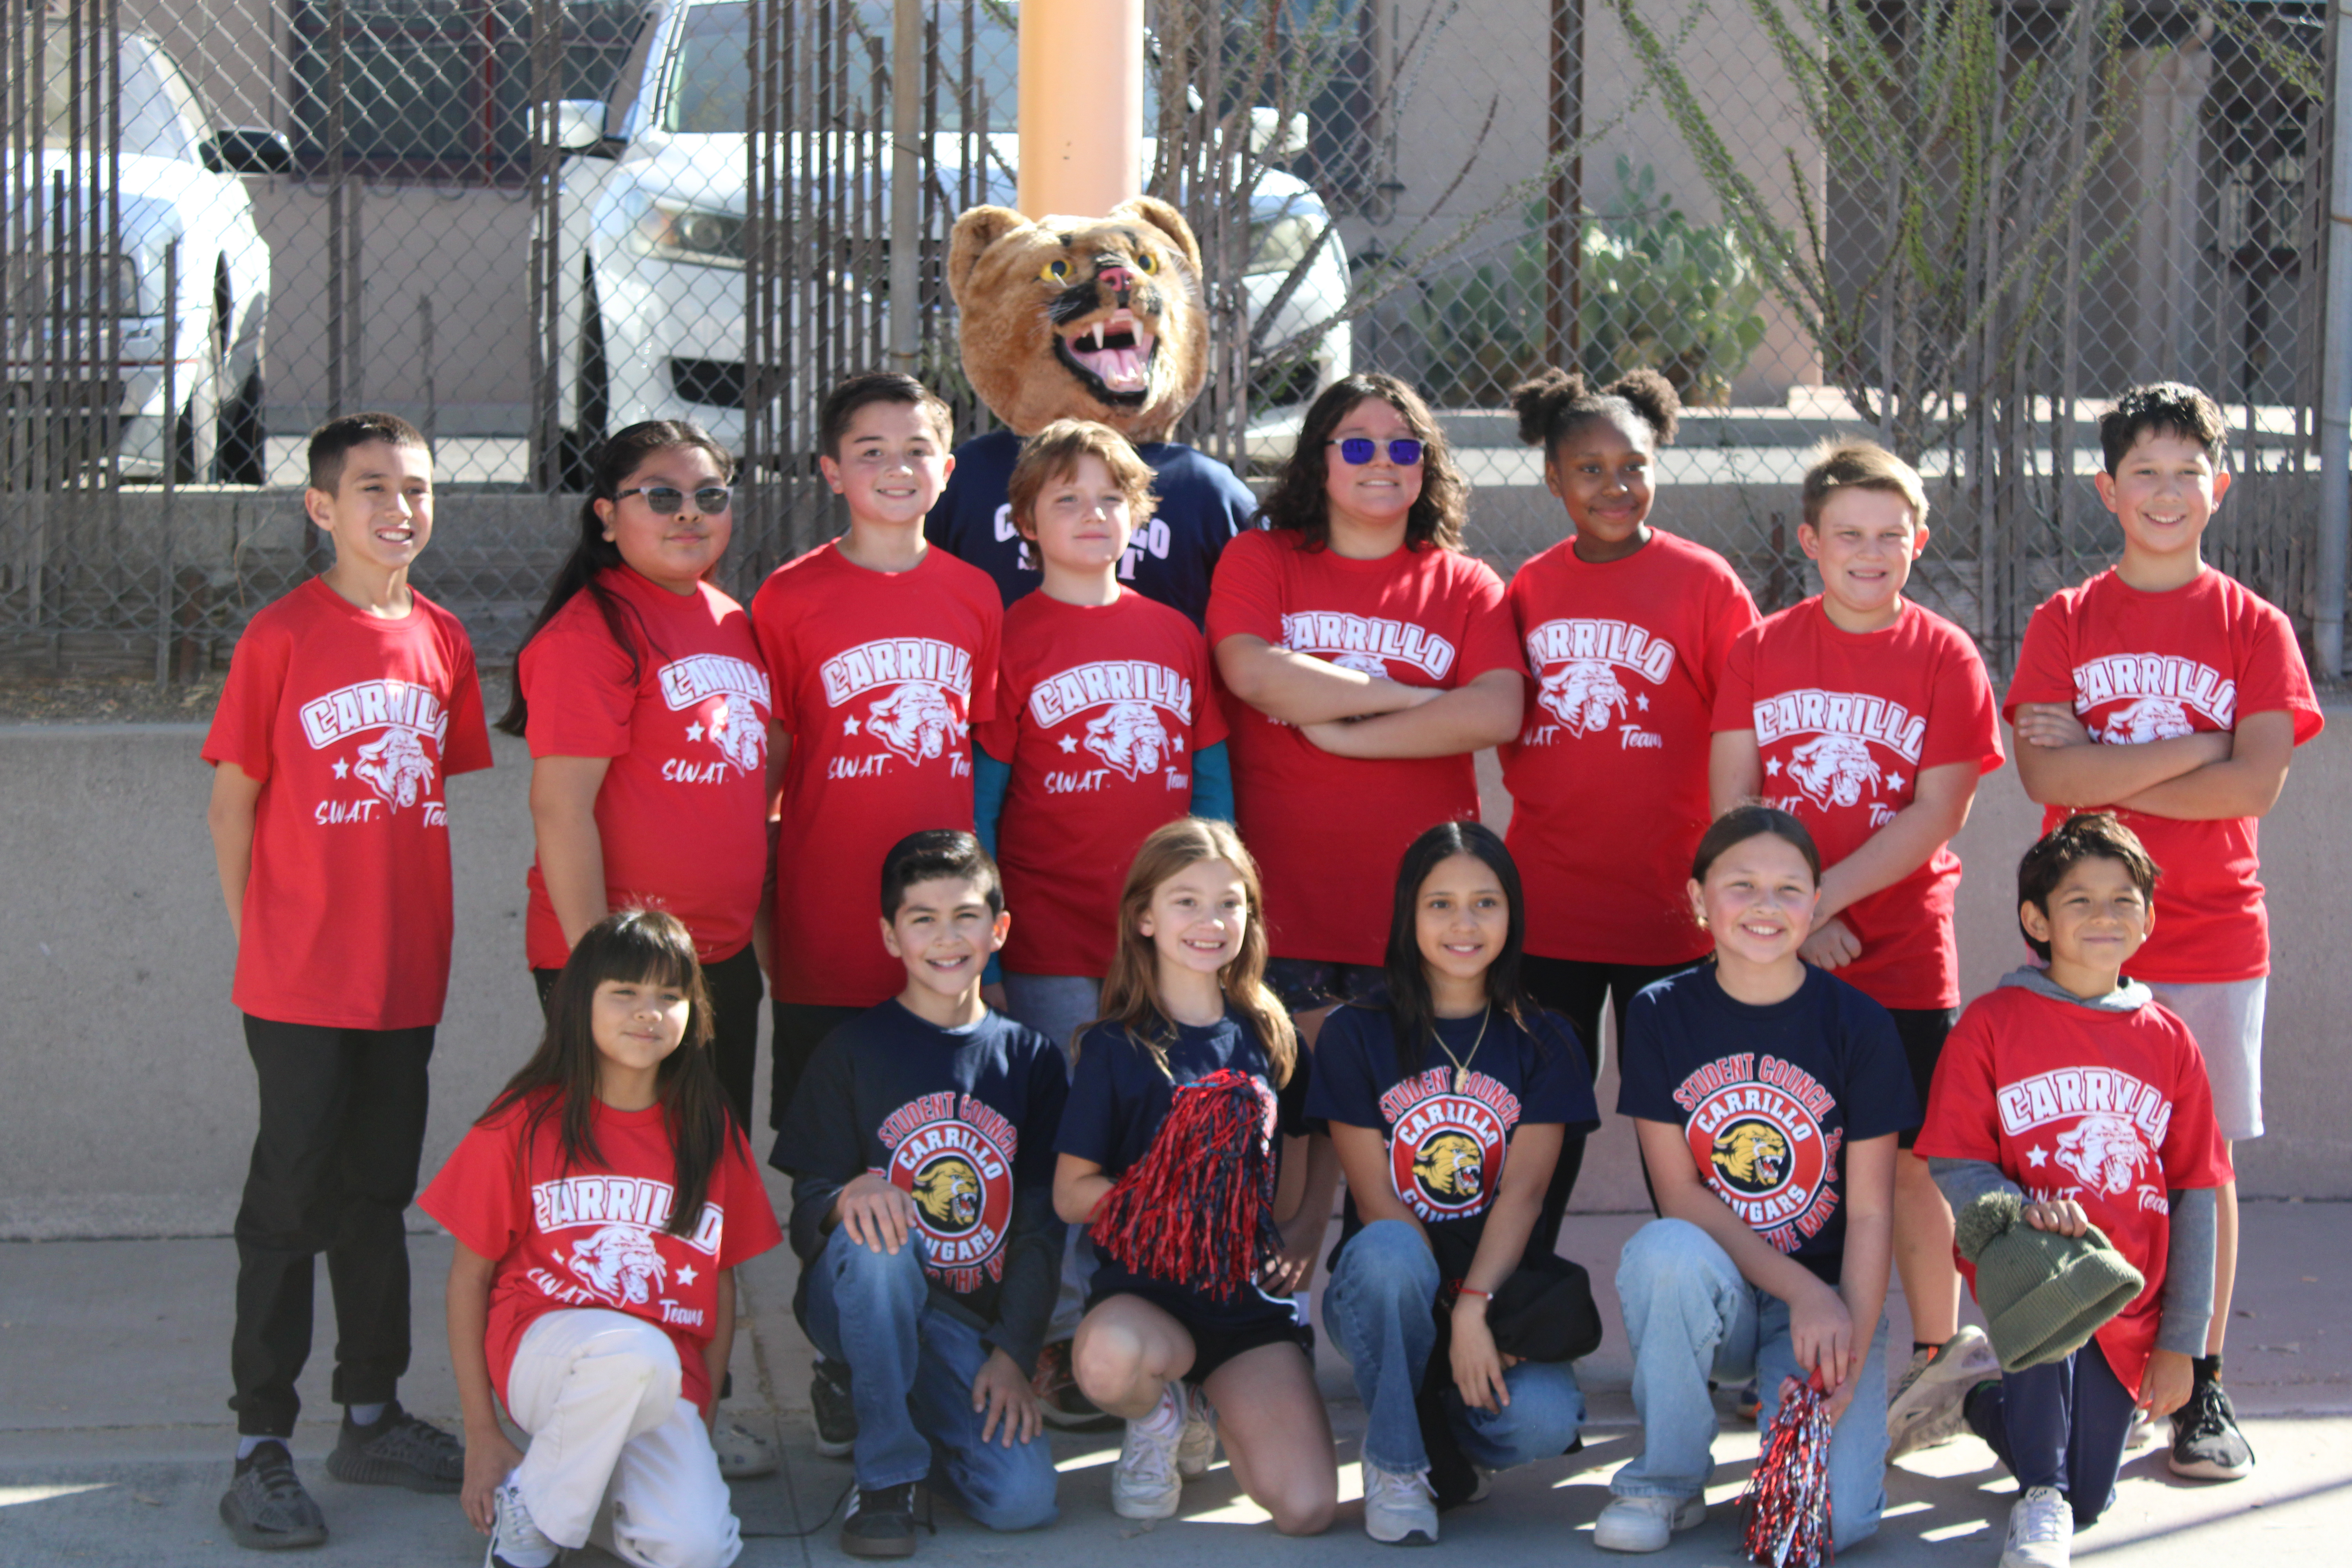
(1081, 105)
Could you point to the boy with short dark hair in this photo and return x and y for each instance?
(920, 1144)
(1871, 719)
(2170, 693)
(348, 704)
(2071, 1088)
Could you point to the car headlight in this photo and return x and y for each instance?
(674, 231)
(1279, 245)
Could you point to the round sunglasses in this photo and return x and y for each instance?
(1357, 450)
(667, 500)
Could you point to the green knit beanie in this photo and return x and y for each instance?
(2043, 1294)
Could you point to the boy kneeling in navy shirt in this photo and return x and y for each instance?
(920, 1144)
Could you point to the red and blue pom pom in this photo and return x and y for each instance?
(1787, 1496)
(1198, 1208)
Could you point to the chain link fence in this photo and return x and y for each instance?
(522, 223)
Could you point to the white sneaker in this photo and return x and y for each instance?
(1196, 1451)
(2040, 1530)
(1927, 1407)
(742, 1453)
(1645, 1524)
(515, 1540)
(1399, 1507)
(1145, 1483)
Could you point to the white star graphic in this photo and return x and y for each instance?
(1894, 783)
(1176, 745)
(686, 1274)
(1642, 701)
(849, 726)
(342, 768)
(1069, 743)
(2037, 1157)
(693, 731)
(1772, 766)
(556, 1253)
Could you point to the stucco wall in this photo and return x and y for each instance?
(129, 1104)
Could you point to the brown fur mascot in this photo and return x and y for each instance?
(1097, 319)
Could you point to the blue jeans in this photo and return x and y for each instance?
(1692, 1317)
(1378, 1310)
(911, 1369)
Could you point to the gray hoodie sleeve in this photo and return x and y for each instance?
(2187, 1295)
(1962, 1182)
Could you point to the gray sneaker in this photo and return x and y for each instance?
(836, 1414)
(266, 1508)
(1927, 1407)
(398, 1450)
(516, 1540)
(2206, 1443)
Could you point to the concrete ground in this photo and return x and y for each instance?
(114, 1441)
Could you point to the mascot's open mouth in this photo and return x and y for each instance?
(1115, 353)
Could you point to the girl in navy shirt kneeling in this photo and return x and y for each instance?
(1447, 1102)
(1767, 1094)
(1186, 997)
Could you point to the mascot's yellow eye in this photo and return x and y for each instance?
(1147, 261)
(1054, 272)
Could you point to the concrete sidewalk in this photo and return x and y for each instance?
(114, 1440)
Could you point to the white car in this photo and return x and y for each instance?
(654, 213)
(179, 183)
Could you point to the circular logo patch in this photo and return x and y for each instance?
(1761, 1151)
(962, 1187)
(1445, 1156)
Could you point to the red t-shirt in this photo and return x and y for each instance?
(1099, 710)
(349, 724)
(1846, 722)
(683, 811)
(596, 1235)
(1328, 832)
(879, 678)
(2109, 1108)
(2149, 667)
(1607, 778)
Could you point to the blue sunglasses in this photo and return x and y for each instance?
(1357, 450)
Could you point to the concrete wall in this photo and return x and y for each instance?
(129, 1104)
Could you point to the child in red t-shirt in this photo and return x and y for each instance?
(348, 703)
(600, 1207)
(1625, 631)
(641, 691)
(2073, 1088)
(1104, 725)
(884, 653)
(1365, 656)
(2171, 692)
(1871, 721)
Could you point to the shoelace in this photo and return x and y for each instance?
(2046, 1521)
(2208, 1412)
(1406, 1490)
(279, 1481)
(1149, 1458)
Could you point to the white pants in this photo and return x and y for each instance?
(616, 1452)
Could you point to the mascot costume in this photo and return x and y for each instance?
(1096, 318)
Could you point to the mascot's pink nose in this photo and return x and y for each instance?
(1118, 278)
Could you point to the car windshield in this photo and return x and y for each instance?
(161, 116)
(709, 78)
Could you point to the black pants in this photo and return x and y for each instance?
(2059, 1424)
(798, 1029)
(1923, 1031)
(334, 1167)
(1575, 990)
(735, 991)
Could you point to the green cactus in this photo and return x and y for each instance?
(1661, 292)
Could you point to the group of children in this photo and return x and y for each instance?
(1733, 831)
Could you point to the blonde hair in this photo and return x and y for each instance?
(1055, 452)
(1835, 466)
(1130, 993)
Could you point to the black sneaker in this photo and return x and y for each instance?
(1059, 1398)
(398, 1450)
(266, 1508)
(2206, 1443)
(880, 1523)
(837, 1418)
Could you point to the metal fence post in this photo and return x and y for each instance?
(906, 181)
(2335, 373)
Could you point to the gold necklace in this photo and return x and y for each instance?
(1462, 1064)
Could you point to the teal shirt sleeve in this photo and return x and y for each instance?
(1212, 785)
(990, 780)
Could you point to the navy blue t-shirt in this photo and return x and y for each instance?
(1118, 1098)
(1447, 1145)
(1203, 503)
(963, 1122)
(1767, 1098)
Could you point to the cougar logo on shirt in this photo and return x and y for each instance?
(1129, 737)
(916, 721)
(2105, 1153)
(1374, 639)
(395, 766)
(373, 705)
(1833, 769)
(619, 1264)
(1756, 1136)
(1618, 643)
(2149, 719)
(736, 693)
(1583, 696)
(953, 1155)
(1058, 699)
(1855, 713)
(2070, 1092)
(2185, 682)
(1447, 1146)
